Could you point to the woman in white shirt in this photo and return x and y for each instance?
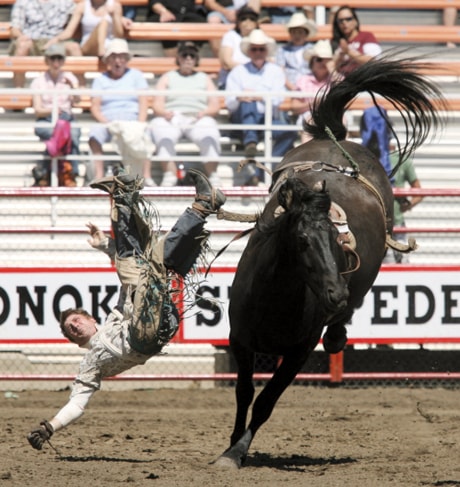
(230, 54)
(100, 21)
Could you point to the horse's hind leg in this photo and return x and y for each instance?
(244, 388)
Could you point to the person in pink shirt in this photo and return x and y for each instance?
(352, 46)
(59, 81)
(321, 64)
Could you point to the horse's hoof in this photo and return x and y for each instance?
(334, 341)
(226, 462)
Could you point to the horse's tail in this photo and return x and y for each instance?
(415, 98)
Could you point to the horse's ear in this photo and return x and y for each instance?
(285, 195)
(320, 186)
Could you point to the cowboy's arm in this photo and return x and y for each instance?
(74, 408)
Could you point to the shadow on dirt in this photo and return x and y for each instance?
(293, 462)
(98, 458)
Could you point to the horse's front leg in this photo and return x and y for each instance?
(263, 406)
(282, 378)
(234, 457)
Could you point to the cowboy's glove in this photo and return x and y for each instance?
(41, 434)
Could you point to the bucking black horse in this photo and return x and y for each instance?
(317, 247)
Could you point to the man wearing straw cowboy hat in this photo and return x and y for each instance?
(259, 74)
(290, 56)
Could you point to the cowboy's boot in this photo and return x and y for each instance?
(124, 182)
(207, 199)
(187, 239)
(124, 190)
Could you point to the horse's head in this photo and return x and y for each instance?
(313, 238)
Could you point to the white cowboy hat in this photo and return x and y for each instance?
(259, 38)
(117, 46)
(299, 20)
(321, 49)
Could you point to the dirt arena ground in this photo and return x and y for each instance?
(316, 437)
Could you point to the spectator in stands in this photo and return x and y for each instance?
(290, 55)
(224, 12)
(282, 15)
(33, 24)
(183, 115)
(100, 21)
(230, 54)
(353, 46)
(108, 107)
(258, 74)
(449, 19)
(406, 174)
(173, 11)
(375, 129)
(56, 79)
(321, 64)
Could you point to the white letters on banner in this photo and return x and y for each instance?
(406, 302)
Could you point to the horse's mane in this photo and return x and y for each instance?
(302, 200)
(279, 242)
(415, 98)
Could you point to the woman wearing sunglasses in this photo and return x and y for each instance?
(56, 79)
(353, 47)
(181, 115)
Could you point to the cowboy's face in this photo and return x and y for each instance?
(80, 328)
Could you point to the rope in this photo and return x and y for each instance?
(245, 162)
(237, 217)
(348, 157)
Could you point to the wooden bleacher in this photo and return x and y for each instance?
(160, 65)
(377, 4)
(148, 31)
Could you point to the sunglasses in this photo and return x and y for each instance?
(56, 58)
(248, 17)
(345, 19)
(258, 49)
(185, 55)
(319, 59)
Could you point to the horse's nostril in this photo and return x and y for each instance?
(338, 297)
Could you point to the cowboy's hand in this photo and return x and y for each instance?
(41, 434)
(98, 239)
